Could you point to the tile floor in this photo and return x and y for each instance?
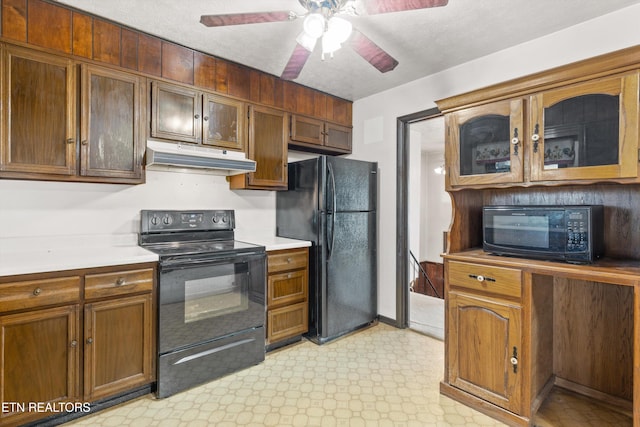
(381, 376)
(426, 315)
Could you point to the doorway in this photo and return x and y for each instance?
(431, 120)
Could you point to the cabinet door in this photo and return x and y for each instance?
(338, 137)
(308, 130)
(39, 358)
(111, 142)
(118, 345)
(223, 122)
(176, 113)
(484, 144)
(38, 120)
(484, 336)
(586, 131)
(268, 147)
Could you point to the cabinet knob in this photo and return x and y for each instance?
(515, 141)
(120, 281)
(37, 291)
(89, 340)
(73, 343)
(536, 138)
(205, 118)
(70, 141)
(84, 142)
(289, 260)
(197, 116)
(480, 278)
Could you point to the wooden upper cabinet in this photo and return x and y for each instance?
(586, 131)
(39, 120)
(184, 114)
(223, 122)
(267, 145)
(311, 134)
(112, 143)
(176, 113)
(307, 130)
(484, 144)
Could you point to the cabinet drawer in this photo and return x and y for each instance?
(38, 293)
(484, 278)
(287, 260)
(118, 283)
(287, 322)
(287, 287)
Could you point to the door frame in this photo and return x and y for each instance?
(402, 211)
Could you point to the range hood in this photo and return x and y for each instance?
(166, 155)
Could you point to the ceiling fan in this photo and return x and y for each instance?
(322, 21)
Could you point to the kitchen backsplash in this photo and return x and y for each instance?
(40, 208)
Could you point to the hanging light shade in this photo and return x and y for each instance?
(313, 25)
(339, 28)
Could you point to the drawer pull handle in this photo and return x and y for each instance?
(289, 260)
(89, 340)
(120, 281)
(289, 276)
(481, 278)
(37, 291)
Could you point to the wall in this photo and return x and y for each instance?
(605, 34)
(436, 207)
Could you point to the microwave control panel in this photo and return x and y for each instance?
(577, 230)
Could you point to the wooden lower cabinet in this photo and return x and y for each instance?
(43, 343)
(484, 346)
(117, 350)
(287, 294)
(40, 361)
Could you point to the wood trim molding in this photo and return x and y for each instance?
(599, 66)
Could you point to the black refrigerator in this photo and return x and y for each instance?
(332, 202)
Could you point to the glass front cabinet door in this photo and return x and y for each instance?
(586, 131)
(485, 144)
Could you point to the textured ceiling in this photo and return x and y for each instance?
(423, 41)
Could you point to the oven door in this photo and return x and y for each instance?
(203, 299)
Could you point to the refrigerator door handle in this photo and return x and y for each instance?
(333, 212)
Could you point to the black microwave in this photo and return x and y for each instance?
(562, 233)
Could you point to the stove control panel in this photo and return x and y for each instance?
(152, 221)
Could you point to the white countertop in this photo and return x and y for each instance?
(56, 253)
(27, 255)
(271, 243)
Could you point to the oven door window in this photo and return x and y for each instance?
(224, 292)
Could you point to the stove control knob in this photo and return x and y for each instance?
(215, 219)
(224, 219)
(154, 220)
(167, 220)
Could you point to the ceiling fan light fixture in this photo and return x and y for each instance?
(306, 41)
(314, 25)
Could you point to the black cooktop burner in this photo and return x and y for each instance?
(200, 247)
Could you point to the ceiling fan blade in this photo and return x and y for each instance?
(374, 7)
(372, 52)
(244, 18)
(296, 63)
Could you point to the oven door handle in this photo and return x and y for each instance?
(180, 264)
